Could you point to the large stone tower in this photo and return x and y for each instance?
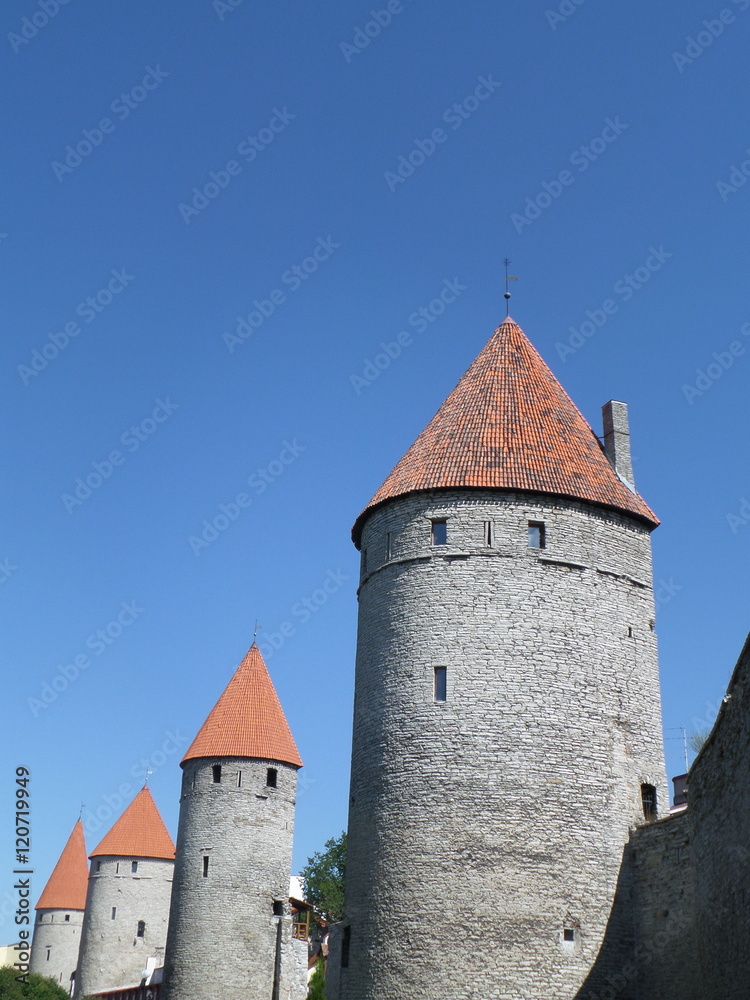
(230, 928)
(127, 907)
(59, 913)
(507, 726)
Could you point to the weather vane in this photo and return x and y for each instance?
(508, 277)
(257, 629)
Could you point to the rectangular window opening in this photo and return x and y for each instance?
(141, 929)
(272, 776)
(345, 945)
(488, 533)
(441, 684)
(133, 867)
(48, 953)
(537, 538)
(67, 918)
(278, 907)
(216, 772)
(114, 912)
(388, 545)
(239, 779)
(205, 866)
(648, 799)
(440, 532)
(569, 934)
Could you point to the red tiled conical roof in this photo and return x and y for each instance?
(247, 720)
(509, 425)
(138, 833)
(66, 886)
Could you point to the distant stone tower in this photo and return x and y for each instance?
(59, 913)
(127, 907)
(507, 726)
(230, 929)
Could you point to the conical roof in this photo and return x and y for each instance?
(509, 425)
(66, 886)
(247, 720)
(139, 833)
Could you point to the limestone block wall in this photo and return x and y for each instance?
(494, 822)
(56, 944)
(719, 821)
(119, 897)
(293, 981)
(224, 923)
(666, 952)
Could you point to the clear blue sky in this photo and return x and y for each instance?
(305, 136)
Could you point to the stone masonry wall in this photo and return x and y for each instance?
(57, 941)
(719, 820)
(112, 954)
(494, 823)
(223, 929)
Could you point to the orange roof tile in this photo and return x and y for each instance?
(247, 720)
(509, 425)
(66, 886)
(138, 833)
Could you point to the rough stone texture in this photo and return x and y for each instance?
(333, 965)
(719, 821)
(293, 984)
(223, 931)
(664, 898)
(489, 824)
(112, 954)
(57, 941)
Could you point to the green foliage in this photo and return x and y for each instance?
(317, 985)
(324, 879)
(37, 988)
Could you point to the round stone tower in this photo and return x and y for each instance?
(59, 914)
(507, 726)
(230, 926)
(127, 907)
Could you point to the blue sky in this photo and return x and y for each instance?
(206, 240)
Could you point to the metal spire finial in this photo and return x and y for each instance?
(257, 629)
(508, 278)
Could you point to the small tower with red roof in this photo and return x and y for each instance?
(127, 907)
(230, 928)
(507, 721)
(59, 913)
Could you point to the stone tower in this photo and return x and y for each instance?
(127, 907)
(59, 913)
(507, 725)
(230, 928)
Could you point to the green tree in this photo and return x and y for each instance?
(37, 987)
(697, 738)
(317, 986)
(324, 879)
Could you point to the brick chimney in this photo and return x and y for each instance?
(617, 439)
